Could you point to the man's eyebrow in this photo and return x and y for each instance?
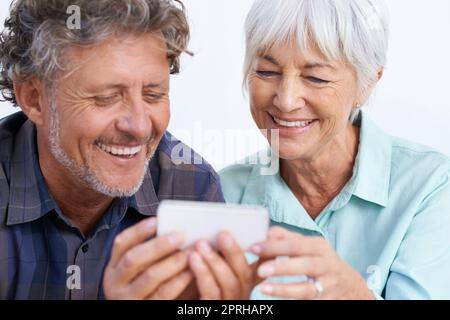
(120, 86)
(153, 85)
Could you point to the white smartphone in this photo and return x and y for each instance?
(205, 220)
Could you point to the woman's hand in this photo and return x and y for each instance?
(312, 257)
(224, 274)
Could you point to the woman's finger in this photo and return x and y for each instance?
(310, 246)
(312, 266)
(298, 291)
(277, 233)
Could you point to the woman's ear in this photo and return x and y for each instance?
(367, 92)
(380, 74)
(29, 98)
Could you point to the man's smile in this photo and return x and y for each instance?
(120, 152)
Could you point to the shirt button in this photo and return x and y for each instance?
(85, 248)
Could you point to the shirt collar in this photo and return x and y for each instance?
(29, 198)
(271, 192)
(373, 163)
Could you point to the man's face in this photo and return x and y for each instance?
(110, 113)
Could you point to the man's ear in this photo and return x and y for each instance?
(29, 96)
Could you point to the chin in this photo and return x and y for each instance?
(290, 150)
(116, 185)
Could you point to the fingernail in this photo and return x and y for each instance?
(227, 241)
(151, 223)
(176, 239)
(266, 271)
(204, 248)
(256, 249)
(195, 258)
(267, 289)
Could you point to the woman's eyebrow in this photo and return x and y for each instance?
(270, 59)
(318, 65)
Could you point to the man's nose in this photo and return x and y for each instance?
(136, 121)
(290, 95)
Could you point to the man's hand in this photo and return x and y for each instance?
(147, 269)
(224, 274)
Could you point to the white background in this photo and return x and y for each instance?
(412, 101)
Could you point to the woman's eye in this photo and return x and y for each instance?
(317, 80)
(267, 74)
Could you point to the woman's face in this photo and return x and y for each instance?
(307, 98)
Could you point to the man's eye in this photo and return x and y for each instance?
(106, 100)
(317, 80)
(153, 97)
(267, 74)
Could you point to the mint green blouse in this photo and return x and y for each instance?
(391, 222)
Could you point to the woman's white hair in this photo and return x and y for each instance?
(354, 31)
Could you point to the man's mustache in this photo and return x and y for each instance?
(125, 140)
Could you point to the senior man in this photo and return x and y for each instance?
(89, 156)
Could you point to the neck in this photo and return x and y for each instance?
(317, 180)
(83, 206)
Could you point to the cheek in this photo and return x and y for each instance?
(160, 117)
(78, 132)
(261, 99)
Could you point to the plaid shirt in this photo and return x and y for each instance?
(42, 254)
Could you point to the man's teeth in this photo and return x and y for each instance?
(116, 151)
(295, 124)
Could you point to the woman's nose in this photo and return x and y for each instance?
(290, 95)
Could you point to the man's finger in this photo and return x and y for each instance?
(142, 256)
(148, 281)
(227, 280)
(235, 257)
(206, 283)
(132, 237)
(174, 287)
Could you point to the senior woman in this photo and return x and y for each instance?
(360, 214)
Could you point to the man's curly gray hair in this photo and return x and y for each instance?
(36, 34)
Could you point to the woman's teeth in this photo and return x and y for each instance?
(294, 124)
(117, 151)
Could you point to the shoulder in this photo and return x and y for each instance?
(176, 155)
(420, 178)
(9, 127)
(235, 178)
(4, 194)
(185, 170)
(419, 162)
